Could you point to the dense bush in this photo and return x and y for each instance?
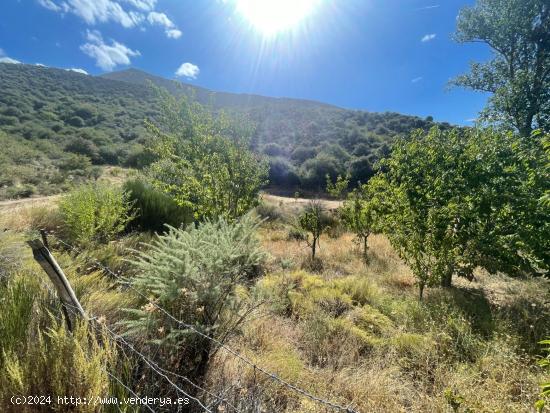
(154, 209)
(194, 273)
(282, 174)
(95, 213)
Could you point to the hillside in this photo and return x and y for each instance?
(65, 122)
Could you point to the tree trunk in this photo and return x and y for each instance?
(420, 291)
(365, 248)
(313, 246)
(447, 279)
(202, 366)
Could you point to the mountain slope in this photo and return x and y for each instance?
(58, 114)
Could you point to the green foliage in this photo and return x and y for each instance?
(314, 220)
(282, 174)
(55, 108)
(153, 208)
(204, 162)
(337, 189)
(194, 274)
(360, 212)
(518, 32)
(456, 200)
(545, 387)
(95, 213)
(27, 168)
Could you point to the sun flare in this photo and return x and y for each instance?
(273, 16)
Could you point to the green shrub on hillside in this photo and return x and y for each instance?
(154, 209)
(95, 213)
(194, 273)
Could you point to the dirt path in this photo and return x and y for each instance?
(26, 202)
(275, 199)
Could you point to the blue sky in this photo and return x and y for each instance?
(376, 55)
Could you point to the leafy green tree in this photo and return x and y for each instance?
(314, 171)
(204, 161)
(460, 199)
(339, 188)
(314, 221)
(518, 76)
(360, 212)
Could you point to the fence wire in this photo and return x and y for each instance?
(234, 353)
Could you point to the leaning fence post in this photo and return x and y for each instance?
(71, 305)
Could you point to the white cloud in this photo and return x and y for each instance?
(189, 70)
(417, 79)
(40, 65)
(428, 37)
(435, 6)
(49, 4)
(9, 60)
(95, 11)
(107, 56)
(173, 33)
(127, 13)
(144, 5)
(161, 19)
(77, 70)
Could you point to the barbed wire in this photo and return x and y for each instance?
(154, 366)
(113, 376)
(236, 354)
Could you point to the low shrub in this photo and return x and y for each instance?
(95, 213)
(39, 356)
(154, 209)
(270, 212)
(296, 234)
(194, 273)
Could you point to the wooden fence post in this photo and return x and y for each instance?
(71, 305)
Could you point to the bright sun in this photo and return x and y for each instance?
(274, 16)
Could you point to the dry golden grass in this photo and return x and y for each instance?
(412, 368)
(354, 332)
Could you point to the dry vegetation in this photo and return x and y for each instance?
(345, 331)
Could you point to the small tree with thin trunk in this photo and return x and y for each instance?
(359, 214)
(314, 221)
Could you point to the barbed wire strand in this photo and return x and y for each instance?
(245, 360)
(109, 373)
(186, 379)
(149, 362)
